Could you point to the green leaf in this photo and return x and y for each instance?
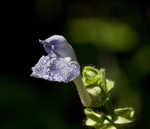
(124, 115)
(90, 122)
(109, 126)
(109, 85)
(93, 118)
(102, 79)
(97, 95)
(93, 115)
(122, 120)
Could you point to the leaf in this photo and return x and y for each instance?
(111, 127)
(90, 122)
(97, 95)
(109, 85)
(93, 118)
(124, 115)
(102, 79)
(93, 115)
(107, 126)
(122, 120)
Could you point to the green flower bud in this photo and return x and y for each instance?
(90, 75)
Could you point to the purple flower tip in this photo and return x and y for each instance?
(60, 64)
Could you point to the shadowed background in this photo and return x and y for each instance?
(106, 34)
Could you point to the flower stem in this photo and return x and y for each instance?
(84, 96)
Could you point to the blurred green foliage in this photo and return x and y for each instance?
(110, 34)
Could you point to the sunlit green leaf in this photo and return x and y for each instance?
(102, 79)
(111, 127)
(97, 95)
(90, 122)
(124, 115)
(109, 85)
(93, 115)
(122, 120)
(94, 119)
(107, 126)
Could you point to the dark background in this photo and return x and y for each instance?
(113, 34)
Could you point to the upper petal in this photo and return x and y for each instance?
(59, 45)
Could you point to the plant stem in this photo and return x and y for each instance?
(110, 109)
(84, 96)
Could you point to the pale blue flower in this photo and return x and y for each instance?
(60, 64)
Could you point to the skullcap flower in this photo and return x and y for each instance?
(60, 64)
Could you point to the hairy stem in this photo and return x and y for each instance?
(84, 96)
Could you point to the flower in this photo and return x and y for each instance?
(60, 64)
